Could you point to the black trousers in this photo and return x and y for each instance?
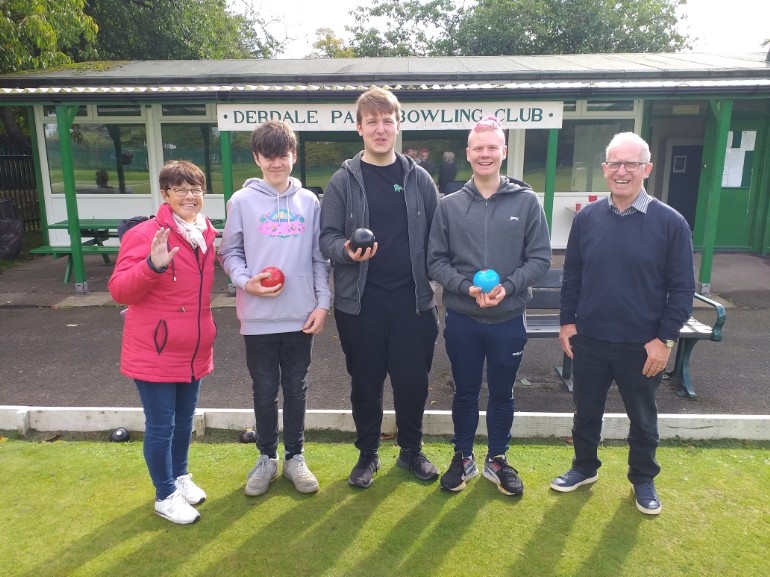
(279, 360)
(596, 364)
(388, 338)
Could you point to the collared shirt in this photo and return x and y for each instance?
(640, 204)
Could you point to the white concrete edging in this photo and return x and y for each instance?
(526, 425)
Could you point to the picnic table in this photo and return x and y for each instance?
(93, 233)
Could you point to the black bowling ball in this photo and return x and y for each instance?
(362, 238)
(248, 436)
(119, 435)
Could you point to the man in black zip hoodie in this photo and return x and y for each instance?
(493, 222)
(383, 301)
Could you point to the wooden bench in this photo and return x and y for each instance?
(542, 319)
(89, 247)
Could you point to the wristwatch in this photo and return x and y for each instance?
(669, 343)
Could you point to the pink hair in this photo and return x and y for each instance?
(489, 123)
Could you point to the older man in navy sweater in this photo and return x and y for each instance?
(628, 288)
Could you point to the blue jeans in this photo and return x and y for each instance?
(468, 344)
(273, 360)
(595, 366)
(168, 421)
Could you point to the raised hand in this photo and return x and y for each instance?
(159, 253)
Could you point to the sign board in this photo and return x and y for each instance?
(414, 116)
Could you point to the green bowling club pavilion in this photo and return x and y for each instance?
(102, 131)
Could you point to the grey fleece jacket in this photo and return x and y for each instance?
(345, 208)
(507, 232)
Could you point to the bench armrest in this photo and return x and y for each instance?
(721, 316)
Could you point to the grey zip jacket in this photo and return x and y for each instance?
(507, 232)
(345, 208)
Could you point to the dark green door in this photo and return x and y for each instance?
(738, 208)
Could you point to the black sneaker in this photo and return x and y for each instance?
(361, 475)
(460, 470)
(417, 463)
(497, 470)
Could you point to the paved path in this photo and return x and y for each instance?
(58, 349)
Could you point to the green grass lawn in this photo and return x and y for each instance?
(84, 507)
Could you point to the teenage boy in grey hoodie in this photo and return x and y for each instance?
(383, 302)
(493, 222)
(273, 221)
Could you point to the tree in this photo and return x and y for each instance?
(174, 30)
(405, 28)
(42, 33)
(327, 45)
(498, 27)
(509, 27)
(38, 34)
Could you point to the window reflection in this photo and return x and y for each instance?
(107, 158)
(579, 157)
(198, 143)
(442, 154)
(322, 157)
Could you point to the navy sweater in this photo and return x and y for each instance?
(628, 279)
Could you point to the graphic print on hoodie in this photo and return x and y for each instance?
(282, 223)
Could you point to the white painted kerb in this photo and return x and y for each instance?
(526, 425)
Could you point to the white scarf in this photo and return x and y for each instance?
(193, 232)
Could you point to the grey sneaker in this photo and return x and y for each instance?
(366, 467)
(296, 471)
(176, 509)
(259, 478)
(192, 493)
(417, 463)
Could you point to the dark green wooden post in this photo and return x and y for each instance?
(550, 177)
(65, 116)
(722, 109)
(225, 143)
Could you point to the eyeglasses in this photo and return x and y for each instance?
(630, 166)
(183, 192)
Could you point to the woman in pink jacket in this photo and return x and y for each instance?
(165, 273)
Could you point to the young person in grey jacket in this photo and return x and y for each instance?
(273, 221)
(493, 222)
(383, 302)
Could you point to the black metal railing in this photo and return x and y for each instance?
(17, 182)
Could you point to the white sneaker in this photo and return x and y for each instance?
(192, 493)
(176, 509)
(296, 471)
(259, 478)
